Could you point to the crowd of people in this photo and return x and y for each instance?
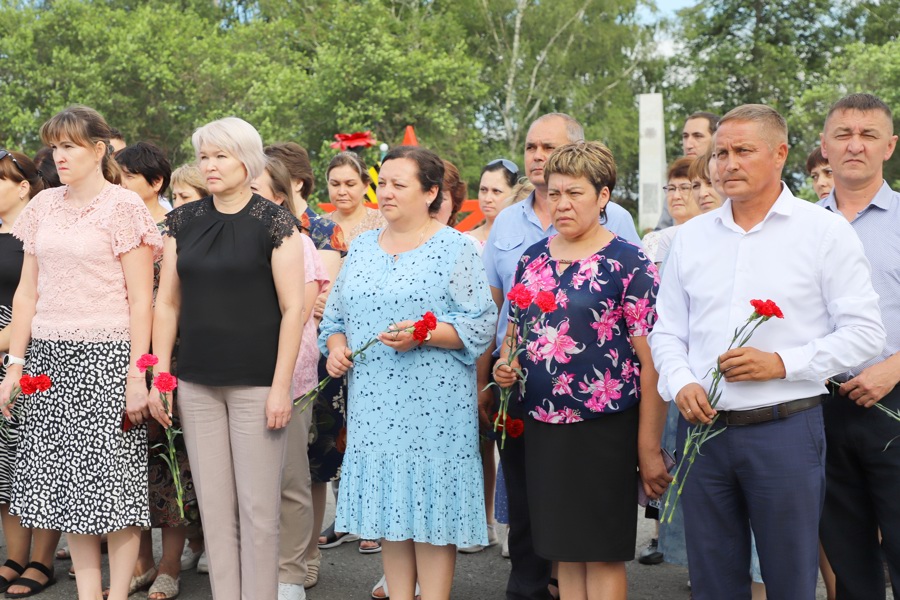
(606, 343)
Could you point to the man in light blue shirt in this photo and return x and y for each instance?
(862, 468)
(515, 229)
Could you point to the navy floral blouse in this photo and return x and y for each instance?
(325, 234)
(579, 361)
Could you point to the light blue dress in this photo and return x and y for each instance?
(412, 469)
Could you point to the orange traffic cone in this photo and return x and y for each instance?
(409, 138)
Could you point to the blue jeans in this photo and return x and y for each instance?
(770, 477)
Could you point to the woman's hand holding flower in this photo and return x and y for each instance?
(505, 374)
(339, 362)
(157, 410)
(398, 338)
(13, 374)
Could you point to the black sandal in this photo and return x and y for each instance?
(4, 582)
(33, 586)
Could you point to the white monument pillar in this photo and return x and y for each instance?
(652, 160)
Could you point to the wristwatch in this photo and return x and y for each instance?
(9, 359)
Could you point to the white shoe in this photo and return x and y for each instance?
(189, 558)
(382, 583)
(291, 591)
(203, 563)
(492, 541)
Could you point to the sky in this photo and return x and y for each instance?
(670, 6)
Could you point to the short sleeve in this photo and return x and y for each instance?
(131, 225)
(640, 287)
(471, 309)
(26, 225)
(325, 234)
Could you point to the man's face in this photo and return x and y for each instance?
(746, 164)
(695, 137)
(857, 144)
(543, 137)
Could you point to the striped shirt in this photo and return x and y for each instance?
(878, 227)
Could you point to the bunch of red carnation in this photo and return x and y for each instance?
(513, 427)
(766, 309)
(37, 383)
(423, 326)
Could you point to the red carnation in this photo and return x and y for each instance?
(146, 361)
(520, 296)
(546, 301)
(42, 382)
(165, 382)
(766, 309)
(515, 427)
(499, 423)
(420, 331)
(28, 385)
(430, 320)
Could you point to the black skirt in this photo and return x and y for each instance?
(582, 487)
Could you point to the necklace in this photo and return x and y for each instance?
(421, 239)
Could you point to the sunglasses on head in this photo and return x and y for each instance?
(5, 153)
(507, 164)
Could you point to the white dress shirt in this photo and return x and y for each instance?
(808, 260)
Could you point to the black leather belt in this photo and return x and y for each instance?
(755, 416)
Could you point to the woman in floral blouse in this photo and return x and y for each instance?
(591, 386)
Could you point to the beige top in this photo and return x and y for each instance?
(372, 220)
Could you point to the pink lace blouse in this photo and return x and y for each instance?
(81, 285)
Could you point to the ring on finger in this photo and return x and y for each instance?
(688, 411)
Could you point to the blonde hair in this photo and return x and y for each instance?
(189, 174)
(519, 192)
(699, 168)
(84, 127)
(237, 137)
(592, 160)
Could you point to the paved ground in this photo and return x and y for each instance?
(348, 575)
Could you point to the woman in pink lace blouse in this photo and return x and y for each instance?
(84, 300)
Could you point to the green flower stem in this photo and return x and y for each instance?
(699, 434)
(172, 458)
(309, 397)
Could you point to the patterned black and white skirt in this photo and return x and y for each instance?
(9, 436)
(77, 470)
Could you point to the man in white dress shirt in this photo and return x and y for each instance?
(767, 469)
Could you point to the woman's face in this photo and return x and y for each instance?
(446, 208)
(705, 195)
(262, 185)
(575, 205)
(224, 173)
(492, 191)
(137, 183)
(346, 189)
(680, 200)
(12, 193)
(75, 163)
(400, 194)
(822, 179)
(183, 193)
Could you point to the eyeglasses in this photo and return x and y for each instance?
(507, 164)
(684, 188)
(5, 153)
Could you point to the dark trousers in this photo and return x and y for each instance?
(861, 495)
(530, 573)
(770, 476)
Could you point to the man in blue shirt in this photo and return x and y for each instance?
(515, 229)
(862, 465)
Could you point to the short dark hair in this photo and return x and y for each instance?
(144, 158)
(711, 118)
(296, 159)
(115, 134)
(352, 160)
(680, 169)
(815, 159)
(862, 103)
(431, 169)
